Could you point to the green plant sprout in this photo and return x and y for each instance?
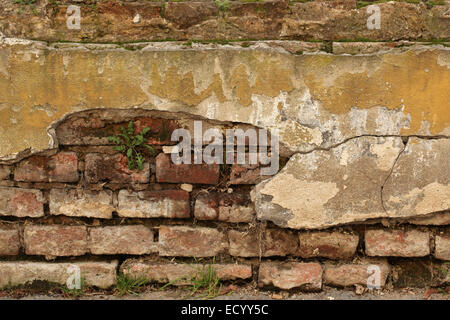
(128, 143)
(29, 3)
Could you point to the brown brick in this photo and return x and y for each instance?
(246, 174)
(186, 14)
(442, 249)
(397, 243)
(166, 171)
(332, 245)
(290, 275)
(234, 207)
(55, 240)
(184, 241)
(133, 239)
(278, 242)
(93, 129)
(154, 204)
(21, 202)
(5, 171)
(275, 242)
(9, 242)
(345, 275)
(61, 167)
(114, 169)
(179, 273)
(97, 274)
(81, 203)
(244, 244)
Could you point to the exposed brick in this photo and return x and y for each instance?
(9, 242)
(234, 207)
(274, 243)
(135, 239)
(332, 245)
(81, 203)
(397, 243)
(412, 273)
(55, 240)
(92, 129)
(114, 169)
(61, 167)
(345, 275)
(186, 14)
(442, 249)
(279, 243)
(97, 274)
(179, 273)
(154, 204)
(190, 242)
(21, 202)
(244, 244)
(290, 275)
(166, 171)
(5, 171)
(246, 174)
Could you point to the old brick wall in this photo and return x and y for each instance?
(364, 120)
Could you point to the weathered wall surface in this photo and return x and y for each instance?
(364, 129)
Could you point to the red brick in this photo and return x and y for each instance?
(5, 171)
(234, 207)
(274, 242)
(93, 130)
(332, 245)
(61, 167)
(345, 275)
(55, 240)
(133, 239)
(397, 243)
(291, 275)
(154, 204)
(166, 171)
(114, 169)
(184, 241)
(21, 202)
(9, 242)
(442, 249)
(179, 274)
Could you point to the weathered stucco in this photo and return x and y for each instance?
(316, 100)
(342, 119)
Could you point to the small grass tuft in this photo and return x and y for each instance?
(223, 5)
(74, 293)
(204, 284)
(130, 285)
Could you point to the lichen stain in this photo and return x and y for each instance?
(412, 81)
